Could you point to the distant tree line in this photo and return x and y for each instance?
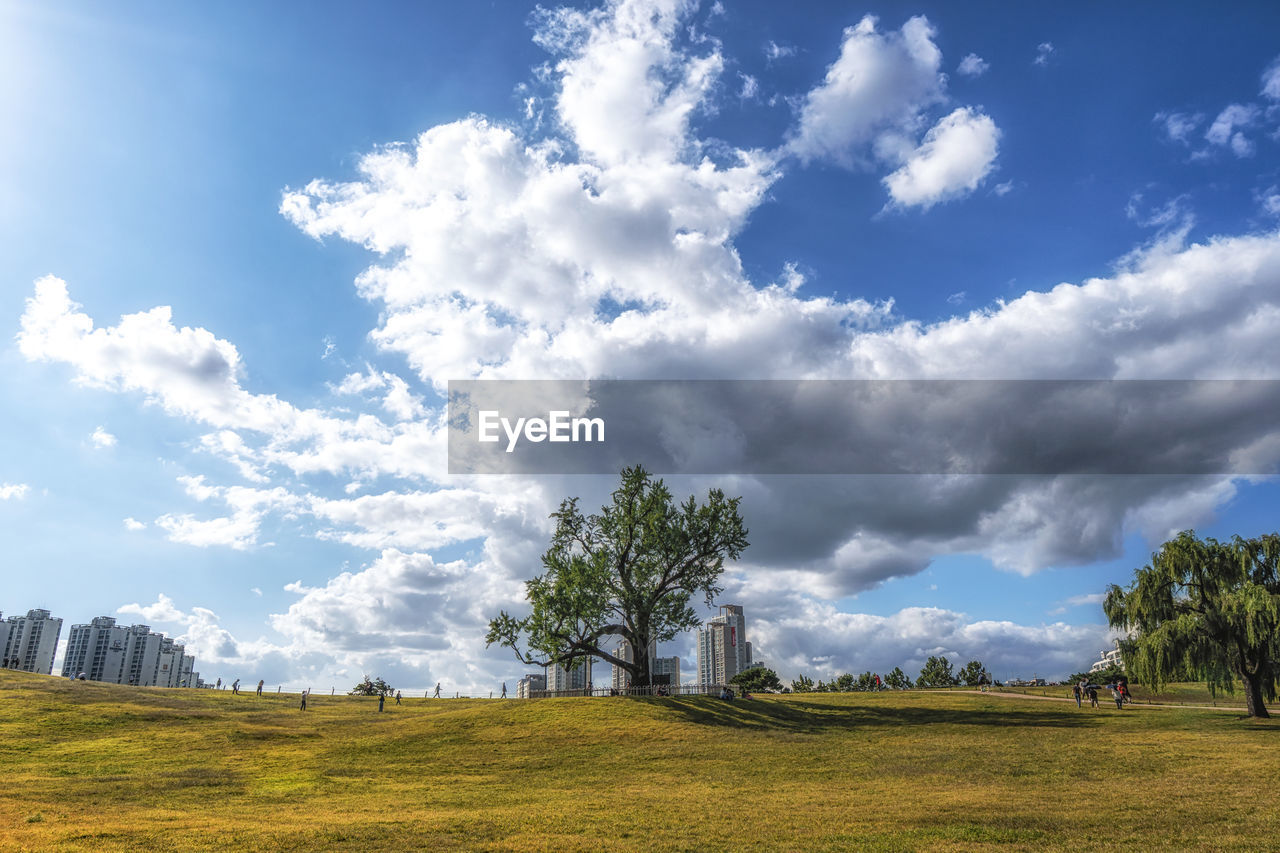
(937, 672)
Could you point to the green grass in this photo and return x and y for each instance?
(98, 767)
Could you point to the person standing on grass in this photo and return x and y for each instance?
(218, 686)
(305, 693)
(1119, 696)
(1075, 691)
(382, 698)
(260, 682)
(1093, 695)
(397, 697)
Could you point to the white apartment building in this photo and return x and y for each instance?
(105, 651)
(96, 649)
(29, 642)
(558, 678)
(723, 650)
(530, 683)
(1107, 659)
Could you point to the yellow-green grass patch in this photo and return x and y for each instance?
(98, 767)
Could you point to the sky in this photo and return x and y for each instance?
(244, 249)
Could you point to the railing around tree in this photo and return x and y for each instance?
(652, 690)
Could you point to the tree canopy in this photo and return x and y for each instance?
(803, 684)
(371, 687)
(936, 673)
(973, 674)
(758, 679)
(1205, 607)
(897, 679)
(627, 573)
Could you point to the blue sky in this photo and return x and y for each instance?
(872, 204)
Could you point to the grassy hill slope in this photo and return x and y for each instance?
(99, 767)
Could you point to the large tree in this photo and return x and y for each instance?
(627, 573)
(898, 679)
(1208, 608)
(936, 673)
(974, 674)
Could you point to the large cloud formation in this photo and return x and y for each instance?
(602, 245)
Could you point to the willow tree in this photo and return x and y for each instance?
(1206, 608)
(627, 573)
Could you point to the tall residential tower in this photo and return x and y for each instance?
(29, 642)
(723, 650)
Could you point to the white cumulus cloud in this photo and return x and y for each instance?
(873, 94)
(973, 66)
(102, 439)
(956, 154)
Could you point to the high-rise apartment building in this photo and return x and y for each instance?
(105, 651)
(558, 678)
(665, 668)
(30, 641)
(95, 649)
(723, 650)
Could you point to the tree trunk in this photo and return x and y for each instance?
(1253, 695)
(643, 666)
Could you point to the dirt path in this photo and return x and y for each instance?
(1000, 694)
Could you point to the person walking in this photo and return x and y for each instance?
(437, 690)
(260, 682)
(1075, 691)
(397, 697)
(1093, 695)
(235, 687)
(504, 690)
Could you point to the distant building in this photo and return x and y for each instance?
(1108, 659)
(95, 649)
(558, 678)
(665, 670)
(105, 651)
(531, 682)
(29, 642)
(723, 650)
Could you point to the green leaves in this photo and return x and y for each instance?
(1205, 609)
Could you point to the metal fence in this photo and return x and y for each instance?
(418, 693)
(652, 690)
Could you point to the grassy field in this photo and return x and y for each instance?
(98, 767)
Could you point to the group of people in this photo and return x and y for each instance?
(235, 687)
(1085, 689)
